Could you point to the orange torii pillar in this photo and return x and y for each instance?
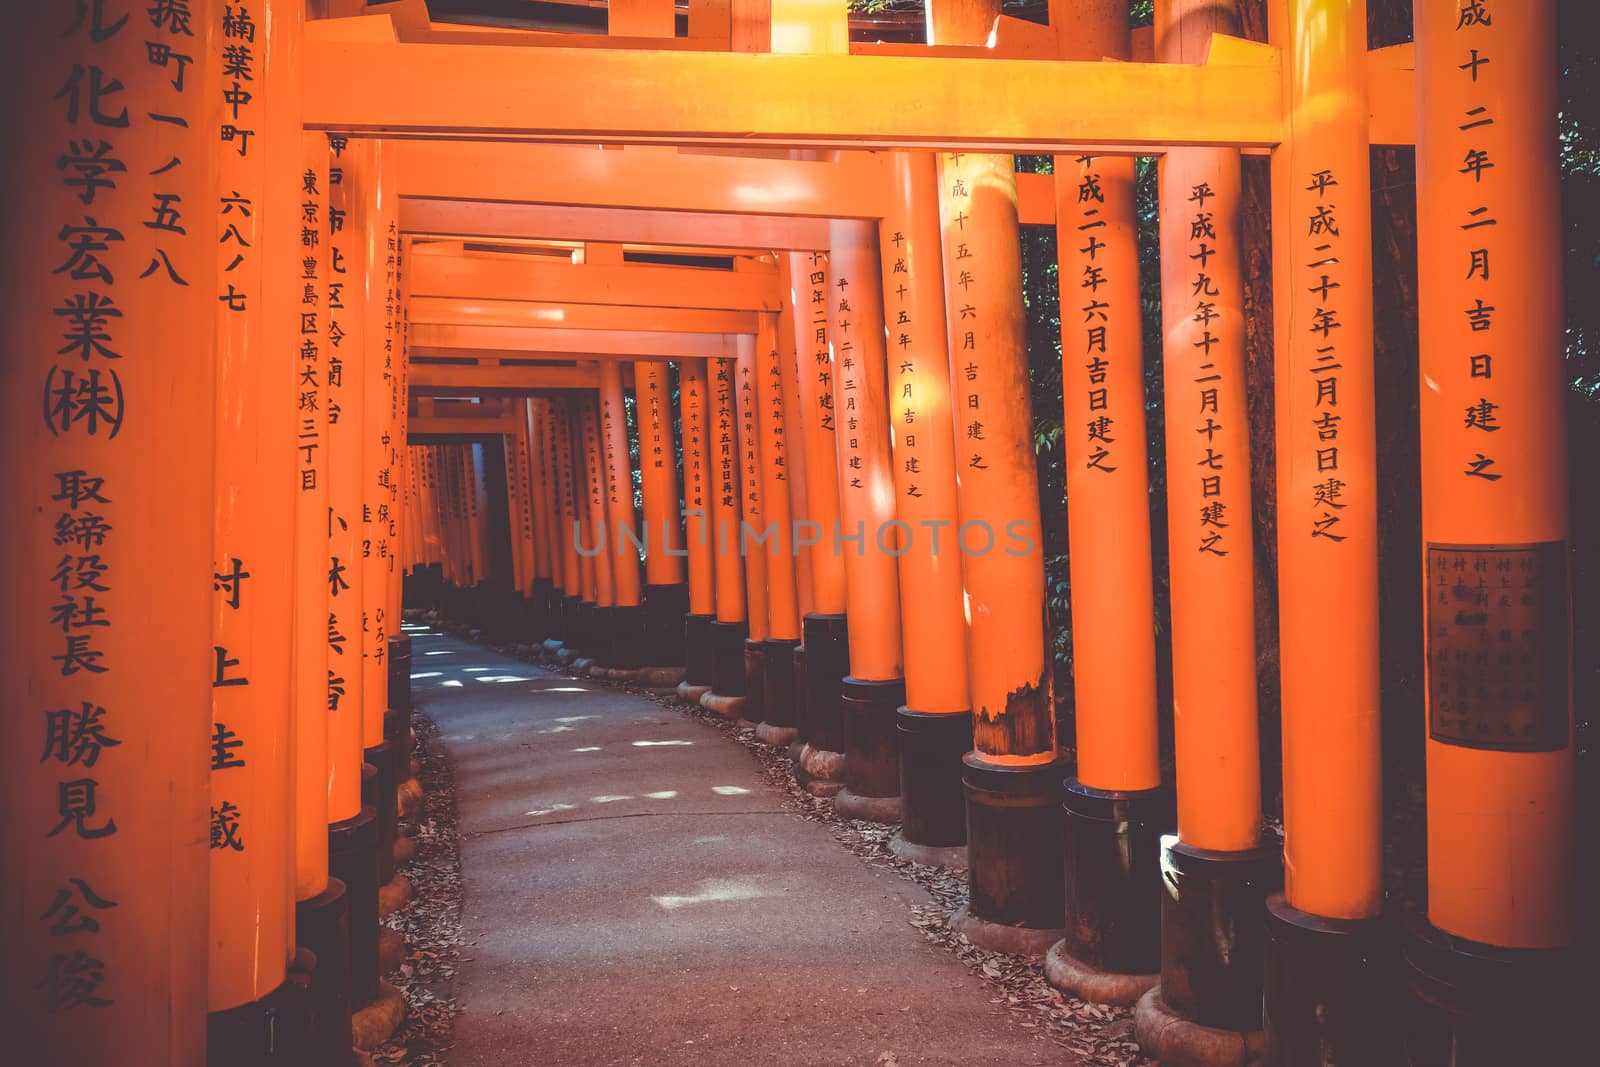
(110, 460)
(353, 829)
(824, 653)
(1116, 808)
(547, 517)
(698, 489)
(777, 726)
(519, 514)
(875, 688)
(370, 179)
(397, 662)
(794, 458)
(729, 631)
(252, 802)
(558, 436)
(542, 500)
(1012, 778)
(621, 540)
(1216, 868)
(751, 527)
(321, 919)
(581, 535)
(666, 598)
(935, 725)
(600, 632)
(1326, 958)
(620, 520)
(1502, 934)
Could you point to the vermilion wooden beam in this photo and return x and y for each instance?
(636, 177)
(793, 100)
(632, 228)
(432, 379)
(513, 277)
(630, 344)
(529, 313)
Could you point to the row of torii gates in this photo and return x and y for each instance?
(255, 248)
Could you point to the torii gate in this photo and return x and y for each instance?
(1492, 504)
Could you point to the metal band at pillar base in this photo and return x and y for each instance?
(871, 747)
(353, 860)
(826, 639)
(625, 627)
(778, 726)
(1472, 1005)
(322, 925)
(1328, 990)
(933, 809)
(276, 1029)
(379, 793)
(400, 673)
(1014, 860)
(727, 658)
(1112, 872)
(697, 650)
(755, 680)
(664, 608)
(1213, 926)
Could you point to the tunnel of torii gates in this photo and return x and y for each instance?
(306, 299)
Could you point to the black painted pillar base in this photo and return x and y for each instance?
(353, 860)
(590, 638)
(664, 609)
(755, 680)
(400, 673)
(1015, 898)
(871, 750)
(378, 792)
(1213, 932)
(625, 625)
(1111, 953)
(727, 658)
(933, 808)
(802, 700)
(697, 651)
(1329, 988)
(322, 925)
(571, 620)
(827, 663)
(778, 726)
(1477, 1005)
(276, 1029)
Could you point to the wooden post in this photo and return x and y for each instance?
(1012, 781)
(252, 885)
(110, 452)
(1219, 871)
(353, 815)
(824, 631)
(875, 687)
(1503, 905)
(935, 725)
(751, 527)
(777, 726)
(729, 632)
(666, 598)
(1324, 952)
(1115, 808)
(622, 538)
(698, 492)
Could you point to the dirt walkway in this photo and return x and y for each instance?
(635, 893)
